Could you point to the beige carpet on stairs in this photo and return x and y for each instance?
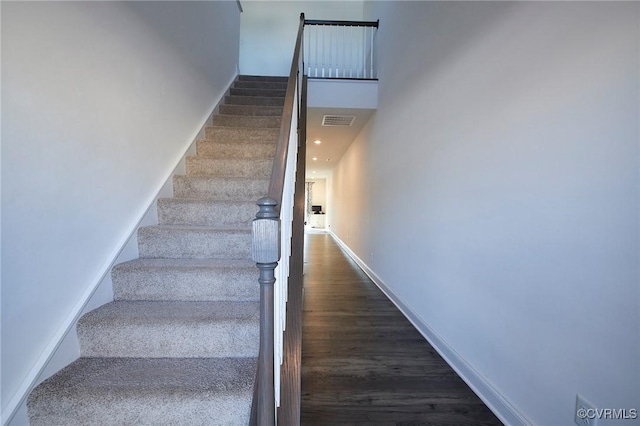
(178, 344)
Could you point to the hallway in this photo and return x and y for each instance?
(363, 363)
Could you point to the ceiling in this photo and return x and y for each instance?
(335, 139)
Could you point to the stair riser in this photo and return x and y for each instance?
(260, 85)
(257, 92)
(143, 410)
(159, 242)
(247, 121)
(254, 100)
(176, 211)
(235, 150)
(262, 78)
(134, 391)
(251, 110)
(240, 135)
(219, 188)
(186, 284)
(170, 340)
(179, 344)
(250, 168)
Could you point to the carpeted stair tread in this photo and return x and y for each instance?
(242, 134)
(205, 212)
(276, 93)
(254, 100)
(146, 391)
(166, 329)
(230, 167)
(221, 188)
(186, 280)
(208, 148)
(262, 78)
(251, 110)
(196, 242)
(251, 121)
(279, 85)
(177, 346)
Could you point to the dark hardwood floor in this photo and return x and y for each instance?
(363, 363)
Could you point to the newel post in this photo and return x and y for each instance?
(266, 253)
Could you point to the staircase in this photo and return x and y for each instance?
(178, 344)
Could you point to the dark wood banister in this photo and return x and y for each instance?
(276, 184)
(342, 23)
(291, 371)
(266, 253)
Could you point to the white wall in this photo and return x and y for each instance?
(100, 100)
(268, 30)
(349, 192)
(496, 194)
(319, 193)
(342, 94)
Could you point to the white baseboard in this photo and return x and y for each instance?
(38, 372)
(497, 403)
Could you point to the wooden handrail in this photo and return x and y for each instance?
(342, 23)
(276, 184)
(267, 235)
(291, 375)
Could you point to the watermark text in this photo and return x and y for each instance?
(608, 413)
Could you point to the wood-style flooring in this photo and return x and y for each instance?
(363, 363)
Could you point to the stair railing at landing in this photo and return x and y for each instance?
(278, 230)
(341, 49)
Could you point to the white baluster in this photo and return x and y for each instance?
(330, 56)
(351, 52)
(343, 64)
(371, 53)
(364, 50)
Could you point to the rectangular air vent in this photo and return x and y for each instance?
(338, 120)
